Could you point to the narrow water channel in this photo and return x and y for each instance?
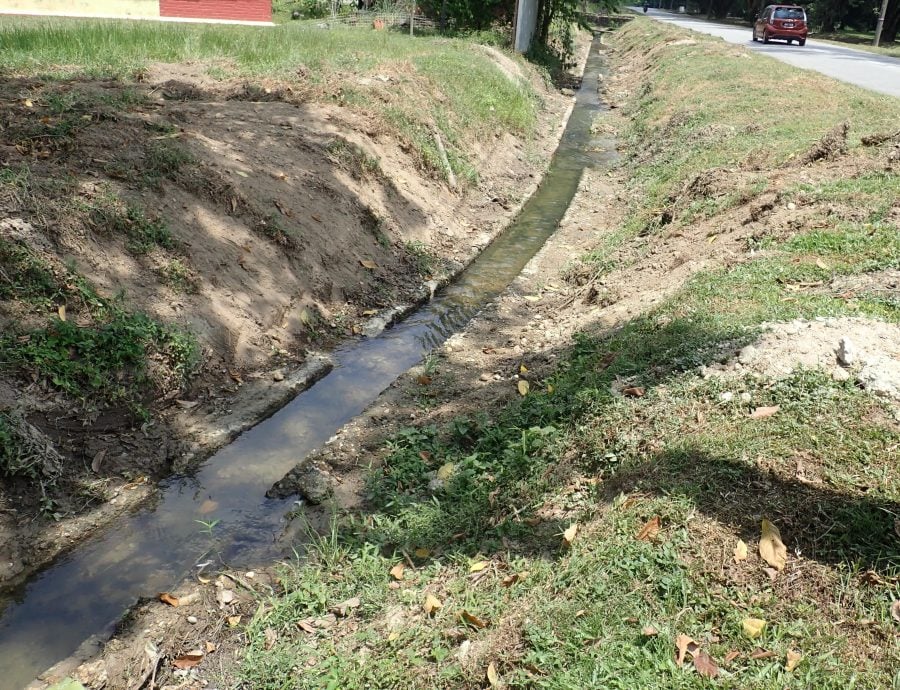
(86, 590)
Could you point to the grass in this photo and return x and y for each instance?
(477, 99)
(477, 508)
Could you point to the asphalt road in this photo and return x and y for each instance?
(868, 70)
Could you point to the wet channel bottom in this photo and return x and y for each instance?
(84, 592)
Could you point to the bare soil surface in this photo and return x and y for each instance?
(292, 223)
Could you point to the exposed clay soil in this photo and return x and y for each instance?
(532, 323)
(293, 222)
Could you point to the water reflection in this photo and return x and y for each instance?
(82, 592)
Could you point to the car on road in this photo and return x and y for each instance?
(781, 22)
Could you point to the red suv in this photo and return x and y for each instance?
(784, 22)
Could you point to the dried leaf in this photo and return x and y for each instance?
(397, 571)
(682, 643)
(422, 553)
(523, 387)
(306, 627)
(225, 596)
(473, 620)
(510, 580)
(423, 380)
(445, 471)
(763, 412)
(760, 653)
(241, 173)
(210, 647)
(345, 607)
(895, 610)
(316, 218)
(649, 531)
(188, 660)
(432, 604)
(234, 205)
(478, 566)
(61, 310)
(234, 621)
(753, 627)
(731, 656)
(271, 637)
(569, 534)
(284, 211)
(523, 369)
(634, 391)
(27, 103)
(98, 460)
(705, 665)
(167, 598)
(740, 551)
(649, 631)
(821, 264)
(368, 263)
(793, 658)
(492, 676)
(425, 455)
(771, 572)
(771, 548)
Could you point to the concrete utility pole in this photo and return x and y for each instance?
(880, 24)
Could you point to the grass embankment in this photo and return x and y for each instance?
(437, 82)
(662, 486)
(99, 350)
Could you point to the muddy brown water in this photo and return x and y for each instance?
(84, 592)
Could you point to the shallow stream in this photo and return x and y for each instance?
(85, 591)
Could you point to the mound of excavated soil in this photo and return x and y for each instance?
(864, 349)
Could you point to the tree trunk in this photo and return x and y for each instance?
(891, 23)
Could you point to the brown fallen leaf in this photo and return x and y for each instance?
(284, 211)
(510, 580)
(210, 647)
(306, 627)
(397, 571)
(345, 607)
(684, 644)
(271, 638)
(763, 412)
(61, 311)
(234, 205)
(316, 218)
(771, 549)
(740, 551)
(760, 653)
(649, 531)
(705, 665)
(771, 572)
(731, 656)
(234, 621)
(895, 610)
(649, 631)
(425, 455)
(368, 263)
(423, 380)
(633, 392)
(473, 620)
(793, 658)
(523, 387)
(432, 604)
(492, 675)
(821, 264)
(167, 598)
(188, 660)
(569, 534)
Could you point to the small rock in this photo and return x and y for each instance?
(278, 376)
(846, 352)
(192, 620)
(746, 397)
(727, 396)
(747, 355)
(485, 377)
(840, 374)
(792, 206)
